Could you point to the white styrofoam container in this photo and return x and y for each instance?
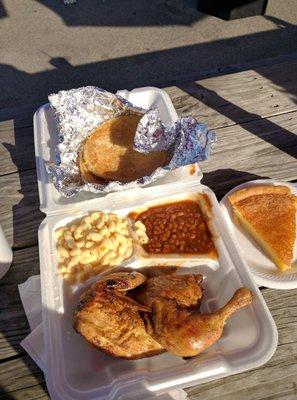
(5, 254)
(75, 370)
(45, 139)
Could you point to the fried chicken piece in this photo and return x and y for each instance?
(161, 314)
(183, 290)
(177, 323)
(112, 321)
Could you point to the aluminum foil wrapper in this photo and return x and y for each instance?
(79, 112)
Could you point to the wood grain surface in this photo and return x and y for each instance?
(254, 114)
(236, 98)
(13, 322)
(16, 148)
(19, 208)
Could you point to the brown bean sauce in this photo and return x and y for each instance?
(178, 227)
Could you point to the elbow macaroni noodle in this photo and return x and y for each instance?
(96, 241)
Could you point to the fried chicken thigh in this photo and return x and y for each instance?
(177, 323)
(112, 321)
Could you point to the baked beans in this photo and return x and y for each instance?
(176, 228)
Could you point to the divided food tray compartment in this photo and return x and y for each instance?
(45, 139)
(75, 369)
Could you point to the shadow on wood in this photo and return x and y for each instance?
(149, 68)
(223, 180)
(264, 129)
(26, 219)
(5, 395)
(25, 208)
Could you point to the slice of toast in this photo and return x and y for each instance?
(268, 214)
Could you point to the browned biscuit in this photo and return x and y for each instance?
(86, 175)
(108, 152)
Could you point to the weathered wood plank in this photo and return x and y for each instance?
(266, 148)
(240, 97)
(13, 321)
(19, 374)
(33, 392)
(16, 148)
(25, 263)
(218, 101)
(19, 212)
(274, 69)
(22, 116)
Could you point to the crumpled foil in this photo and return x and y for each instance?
(80, 111)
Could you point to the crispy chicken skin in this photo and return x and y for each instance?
(129, 316)
(112, 321)
(177, 323)
(184, 290)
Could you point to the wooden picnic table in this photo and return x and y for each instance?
(254, 114)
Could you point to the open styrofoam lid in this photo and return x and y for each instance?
(45, 138)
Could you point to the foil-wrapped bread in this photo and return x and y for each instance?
(106, 144)
(108, 153)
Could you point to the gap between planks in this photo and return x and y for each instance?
(219, 101)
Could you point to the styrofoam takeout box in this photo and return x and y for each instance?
(5, 254)
(45, 139)
(76, 370)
